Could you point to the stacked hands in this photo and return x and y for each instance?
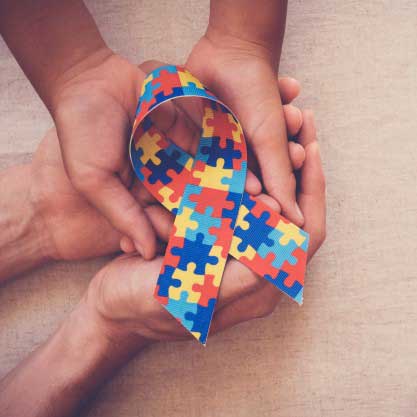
(85, 200)
(87, 212)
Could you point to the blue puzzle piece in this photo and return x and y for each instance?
(195, 252)
(295, 291)
(146, 124)
(165, 281)
(257, 233)
(201, 319)
(137, 163)
(282, 252)
(211, 154)
(235, 198)
(160, 171)
(183, 158)
(161, 96)
(182, 310)
(248, 202)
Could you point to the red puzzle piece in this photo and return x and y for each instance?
(208, 290)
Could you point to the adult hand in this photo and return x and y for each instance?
(78, 230)
(121, 294)
(74, 227)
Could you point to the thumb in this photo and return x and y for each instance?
(107, 193)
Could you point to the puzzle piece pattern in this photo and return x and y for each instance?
(214, 216)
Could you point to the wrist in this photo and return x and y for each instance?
(242, 45)
(116, 340)
(87, 352)
(24, 243)
(49, 39)
(61, 374)
(80, 69)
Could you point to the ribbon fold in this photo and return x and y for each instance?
(215, 217)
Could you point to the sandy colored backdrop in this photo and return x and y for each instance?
(354, 352)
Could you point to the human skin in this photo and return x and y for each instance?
(118, 316)
(92, 93)
(43, 217)
(238, 59)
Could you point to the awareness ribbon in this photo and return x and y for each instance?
(215, 217)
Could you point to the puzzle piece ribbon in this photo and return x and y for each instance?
(215, 217)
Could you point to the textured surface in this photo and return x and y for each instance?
(355, 348)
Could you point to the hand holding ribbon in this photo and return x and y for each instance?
(214, 216)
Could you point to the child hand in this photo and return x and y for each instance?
(242, 75)
(93, 109)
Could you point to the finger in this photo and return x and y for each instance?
(253, 186)
(266, 132)
(256, 304)
(150, 65)
(142, 194)
(312, 189)
(162, 221)
(297, 154)
(289, 89)
(238, 281)
(293, 119)
(271, 202)
(110, 196)
(127, 245)
(270, 144)
(308, 133)
(126, 175)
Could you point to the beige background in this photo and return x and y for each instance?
(352, 349)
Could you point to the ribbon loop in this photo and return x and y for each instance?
(214, 216)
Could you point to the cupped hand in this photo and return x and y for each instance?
(243, 76)
(121, 294)
(180, 121)
(76, 229)
(79, 230)
(93, 110)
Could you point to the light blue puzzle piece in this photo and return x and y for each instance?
(205, 222)
(190, 189)
(282, 253)
(179, 308)
(192, 90)
(237, 181)
(168, 68)
(148, 94)
(304, 245)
